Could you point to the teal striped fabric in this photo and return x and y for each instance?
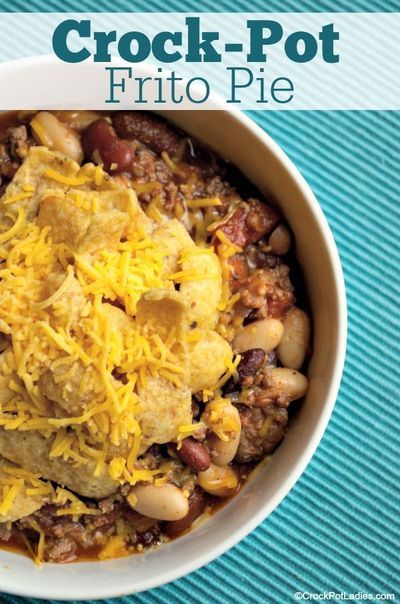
(222, 6)
(339, 528)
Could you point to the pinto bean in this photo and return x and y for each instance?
(102, 145)
(197, 502)
(149, 129)
(250, 362)
(194, 454)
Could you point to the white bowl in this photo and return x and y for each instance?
(237, 138)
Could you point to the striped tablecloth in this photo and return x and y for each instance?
(339, 528)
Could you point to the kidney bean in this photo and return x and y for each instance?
(194, 454)
(116, 154)
(250, 362)
(197, 503)
(149, 129)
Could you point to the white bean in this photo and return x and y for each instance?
(280, 240)
(78, 120)
(164, 502)
(49, 131)
(286, 382)
(265, 334)
(219, 481)
(296, 334)
(222, 418)
(223, 451)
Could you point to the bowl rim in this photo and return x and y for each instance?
(22, 588)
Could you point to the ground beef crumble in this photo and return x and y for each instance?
(13, 149)
(268, 291)
(251, 221)
(66, 537)
(253, 445)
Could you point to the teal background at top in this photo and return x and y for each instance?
(362, 6)
(339, 529)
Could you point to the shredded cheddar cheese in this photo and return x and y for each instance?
(18, 197)
(10, 491)
(78, 359)
(66, 180)
(69, 333)
(15, 228)
(189, 430)
(205, 202)
(114, 548)
(173, 166)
